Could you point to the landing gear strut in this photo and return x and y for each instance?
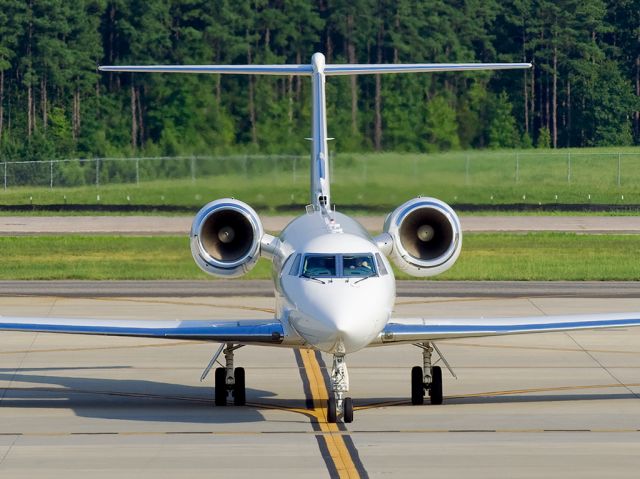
(230, 380)
(427, 378)
(339, 405)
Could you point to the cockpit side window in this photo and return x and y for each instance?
(295, 267)
(319, 266)
(358, 265)
(381, 266)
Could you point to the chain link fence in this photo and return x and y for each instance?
(455, 168)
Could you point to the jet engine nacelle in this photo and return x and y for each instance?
(225, 238)
(423, 237)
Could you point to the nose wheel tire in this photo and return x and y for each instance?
(348, 410)
(435, 391)
(239, 391)
(332, 410)
(220, 387)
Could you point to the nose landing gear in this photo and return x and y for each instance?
(339, 405)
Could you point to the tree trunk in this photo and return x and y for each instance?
(525, 86)
(568, 113)
(526, 104)
(377, 132)
(1, 102)
(533, 98)
(555, 97)
(351, 58)
(252, 106)
(29, 110)
(637, 113)
(140, 117)
(43, 96)
(134, 119)
(298, 77)
(76, 113)
(547, 103)
(290, 102)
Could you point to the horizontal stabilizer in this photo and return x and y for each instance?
(307, 70)
(356, 69)
(230, 69)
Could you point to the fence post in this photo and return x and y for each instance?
(569, 167)
(5, 176)
(517, 167)
(193, 168)
(51, 174)
(619, 167)
(295, 159)
(97, 172)
(137, 171)
(466, 170)
(364, 166)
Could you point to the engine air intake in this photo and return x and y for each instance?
(225, 238)
(426, 233)
(425, 237)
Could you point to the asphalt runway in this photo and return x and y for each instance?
(178, 225)
(406, 288)
(547, 405)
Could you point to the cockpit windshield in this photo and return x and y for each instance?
(358, 265)
(338, 266)
(319, 265)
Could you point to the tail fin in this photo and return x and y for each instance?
(317, 70)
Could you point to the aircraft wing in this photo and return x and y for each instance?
(267, 331)
(415, 330)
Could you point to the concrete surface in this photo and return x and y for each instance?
(240, 287)
(548, 405)
(148, 225)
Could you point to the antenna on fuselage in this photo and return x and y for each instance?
(318, 70)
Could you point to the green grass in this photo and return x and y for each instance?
(534, 256)
(382, 181)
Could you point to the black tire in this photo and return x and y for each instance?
(221, 387)
(239, 391)
(435, 391)
(332, 415)
(417, 386)
(348, 410)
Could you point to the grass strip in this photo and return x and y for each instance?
(366, 180)
(485, 256)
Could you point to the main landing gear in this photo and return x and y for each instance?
(427, 378)
(230, 380)
(339, 405)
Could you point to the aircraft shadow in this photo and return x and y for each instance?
(129, 399)
(502, 399)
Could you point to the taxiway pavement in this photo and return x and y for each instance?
(548, 405)
(177, 225)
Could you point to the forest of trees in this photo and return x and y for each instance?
(584, 89)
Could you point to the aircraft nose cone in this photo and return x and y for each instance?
(339, 320)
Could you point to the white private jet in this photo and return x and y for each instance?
(334, 286)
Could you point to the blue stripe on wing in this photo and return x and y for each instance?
(512, 328)
(224, 331)
(416, 329)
